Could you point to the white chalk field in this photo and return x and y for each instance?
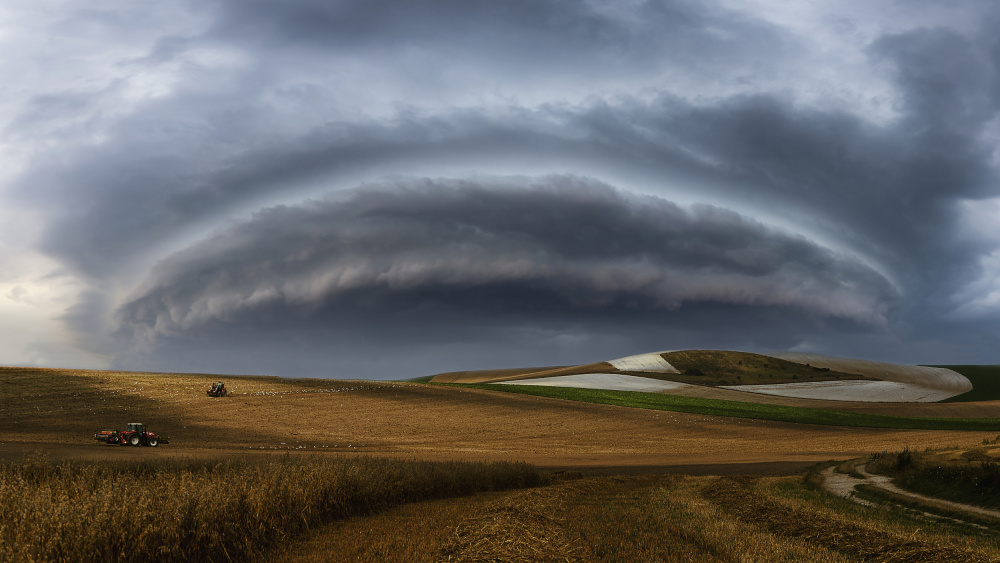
(851, 390)
(606, 381)
(919, 376)
(897, 383)
(652, 361)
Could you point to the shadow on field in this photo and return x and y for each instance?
(762, 469)
(69, 406)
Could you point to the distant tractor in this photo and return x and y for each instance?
(135, 434)
(218, 390)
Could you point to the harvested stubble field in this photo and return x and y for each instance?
(56, 412)
(163, 510)
(669, 518)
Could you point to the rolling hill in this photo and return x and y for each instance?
(717, 373)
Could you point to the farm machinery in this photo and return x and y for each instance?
(135, 434)
(218, 390)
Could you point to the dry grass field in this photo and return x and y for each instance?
(57, 412)
(174, 510)
(670, 518)
(630, 510)
(716, 367)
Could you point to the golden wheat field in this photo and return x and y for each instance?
(263, 474)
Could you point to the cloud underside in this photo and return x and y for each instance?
(474, 169)
(493, 252)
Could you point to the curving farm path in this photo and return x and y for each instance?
(845, 485)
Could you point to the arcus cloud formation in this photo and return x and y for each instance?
(507, 247)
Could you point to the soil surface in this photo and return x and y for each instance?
(59, 414)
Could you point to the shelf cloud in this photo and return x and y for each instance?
(497, 248)
(294, 187)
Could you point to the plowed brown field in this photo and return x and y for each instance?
(57, 412)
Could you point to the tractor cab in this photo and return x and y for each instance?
(135, 427)
(218, 390)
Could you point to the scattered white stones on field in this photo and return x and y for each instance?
(849, 390)
(652, 361)
(284, 446)
(330, 390)
(605, 381)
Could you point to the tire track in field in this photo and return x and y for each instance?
(523, 527)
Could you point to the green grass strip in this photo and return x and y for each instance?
(739, 409)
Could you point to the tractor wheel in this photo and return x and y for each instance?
(152, 442)
(134, 440)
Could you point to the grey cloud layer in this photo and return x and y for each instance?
(878, 185)
(265, 101)
(219, 141)
(516, 36)
(552, 246)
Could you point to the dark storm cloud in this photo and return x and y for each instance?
(278, 101)
(887, 190)
(949, 84)
(460, 250)
(114, 201)
(423, 276)
(219, 142)
(356, 22)
(829, 165)
(880, 185)
(541, 33)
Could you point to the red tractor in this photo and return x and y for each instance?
(218, 390)
(135, 434)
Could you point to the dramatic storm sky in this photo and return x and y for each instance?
(388, 189)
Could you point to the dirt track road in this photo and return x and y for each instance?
(271, 415)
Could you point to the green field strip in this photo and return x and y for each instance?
(738, 409)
